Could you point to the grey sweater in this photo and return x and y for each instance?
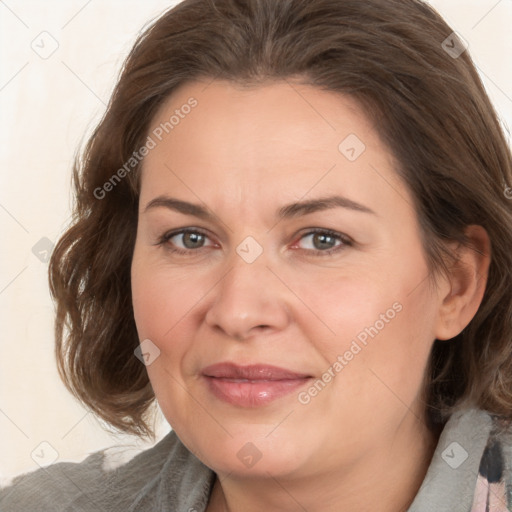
(471, 466)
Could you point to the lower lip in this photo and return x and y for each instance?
(252, 393)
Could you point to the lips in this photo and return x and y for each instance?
(252, 385)
(251, 372)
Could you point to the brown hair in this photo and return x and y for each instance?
(429, 107)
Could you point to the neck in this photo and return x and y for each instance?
(386, 480)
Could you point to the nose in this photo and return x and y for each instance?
(249, 299)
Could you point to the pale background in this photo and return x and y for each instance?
(47, 106)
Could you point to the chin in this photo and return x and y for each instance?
(251, 453)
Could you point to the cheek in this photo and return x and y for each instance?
(150, 303)
(161, 298)
(165, 302)
(378, 326)
(346, 307)
(160, 305)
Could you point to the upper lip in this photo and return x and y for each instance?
(251, 372)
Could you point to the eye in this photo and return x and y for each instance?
(321, 242)
(184, 241)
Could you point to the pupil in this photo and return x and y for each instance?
(193, 238)
(322, 239)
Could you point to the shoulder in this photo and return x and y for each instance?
(105, 480)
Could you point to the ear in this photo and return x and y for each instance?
(466, 284)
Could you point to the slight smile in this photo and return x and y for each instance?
(253, 385)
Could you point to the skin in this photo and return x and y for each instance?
(361, 443)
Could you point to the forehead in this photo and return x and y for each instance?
(281, 115)
(279, 138)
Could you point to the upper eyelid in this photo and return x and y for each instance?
(302, 233)
(170, 234)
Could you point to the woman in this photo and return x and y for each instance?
(292, 230)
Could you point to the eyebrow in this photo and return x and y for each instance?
(288, 211)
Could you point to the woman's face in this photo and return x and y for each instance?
(291, 325)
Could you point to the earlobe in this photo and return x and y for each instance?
(467, 282)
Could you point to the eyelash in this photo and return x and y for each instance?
(346, 241)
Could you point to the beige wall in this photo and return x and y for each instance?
(46, 105)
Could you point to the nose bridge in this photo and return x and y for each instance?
(249, 296)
